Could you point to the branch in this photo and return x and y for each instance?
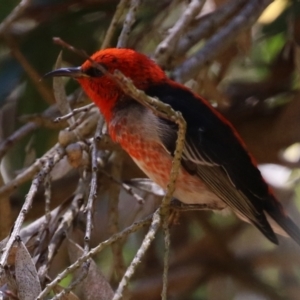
(139, 255)
(214, 46)
(207, 25)
(113, 24)
(165, 49)
(165, 111)
(129, 21)
(49, 164)
(134, 227)
(32, 73)
(17, 11)
(114, 194)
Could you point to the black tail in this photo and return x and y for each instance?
(285, 223)
(265, 228)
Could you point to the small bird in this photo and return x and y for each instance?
(216, 172)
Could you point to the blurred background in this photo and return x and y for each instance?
(251, 75)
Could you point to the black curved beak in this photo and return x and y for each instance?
(73, 72)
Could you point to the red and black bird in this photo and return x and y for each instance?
(216, 170)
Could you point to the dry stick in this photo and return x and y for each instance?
(208, 25)
(125, 186)
(83, 117)
(129, 20)
(139, 255)
(43, 90)
(15, 137)
(26, 129)
(17, 11)
(93, 189)
(42, 121)
(75, 111)
(247, 16)
(69, 270)
(28, 173)
(5, 214)
(49, 164)
(161, 109)
(113, 24)
(114, 193)
(165, 49)
(72, 285)
(60, 233)
(60, 92)
(83, 130)
(47, 184)
(88, 210)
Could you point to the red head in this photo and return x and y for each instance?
(102, 89)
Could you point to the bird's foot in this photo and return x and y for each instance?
(180, 206)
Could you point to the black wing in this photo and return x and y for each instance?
(214, 152)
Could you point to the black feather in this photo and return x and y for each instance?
(214, 152)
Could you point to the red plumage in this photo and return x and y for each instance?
(217, 171)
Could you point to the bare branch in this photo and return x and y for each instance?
(60, 233)
(246, 18)
(93, 189)
(60, 92)
(134, 227)
(114, 23)
(49, 164)
(207, 25)
(165, 49)
(114, 194)
(139, 255)
(129, 21)
(75, 111)
(28, 173)
(18, 10)
(32, 73)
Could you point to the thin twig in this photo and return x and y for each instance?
(75, 111)
(114, 194)
(16, 13)
(28, 173)
(114, 23)
(31, 126)
(32, 73)
(134, 227)
(246, 18)
(5, 214)
(80, 132)
(167, 112)
(129, 21)
(82, 275)
(207, 25)
(165, 49)
(60, 92)
(93, 189)
(15, 137)
(59, 235)
(125, 186)
(47, 185)
(166, 256)
(139, 255)
(49, 164)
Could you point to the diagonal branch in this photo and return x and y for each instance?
(214, 46)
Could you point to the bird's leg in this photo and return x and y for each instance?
(177, 207)
(180, 206)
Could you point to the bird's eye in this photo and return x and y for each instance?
(93, 72)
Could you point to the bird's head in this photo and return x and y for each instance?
(101, 87)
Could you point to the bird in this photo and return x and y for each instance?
(217, 171)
